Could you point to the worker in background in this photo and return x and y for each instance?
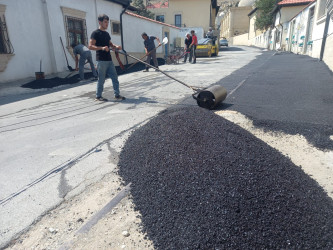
(210, 33)
(188, 41)
(85, 55)
(193, 46)
(150, 49)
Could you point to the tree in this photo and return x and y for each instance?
(265, 16)
(142, 11)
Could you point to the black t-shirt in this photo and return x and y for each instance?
(102, 39)
(149, 43)
(188, 41)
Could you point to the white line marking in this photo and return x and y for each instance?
(239, 84)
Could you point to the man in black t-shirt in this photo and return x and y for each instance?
(188, 41)
(100, 41)
(150, 49)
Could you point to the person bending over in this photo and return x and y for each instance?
(150, 49)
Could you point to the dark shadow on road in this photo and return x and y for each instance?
(57, 81)
(52, 85)
(231, 49)
(201, 182)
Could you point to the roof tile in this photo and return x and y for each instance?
(295, 2)
(151, 20)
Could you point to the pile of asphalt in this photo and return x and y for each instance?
(57, 81)
(201, 182)
(51, 82)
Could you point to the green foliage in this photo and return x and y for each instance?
(142, 11)
(265, 16)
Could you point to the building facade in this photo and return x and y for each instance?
(187, 13)
(33, 33)
(235, 22)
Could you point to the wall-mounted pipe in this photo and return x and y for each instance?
(49, 37)
(121, 28)
(323, 43)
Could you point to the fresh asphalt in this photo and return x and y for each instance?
(249, 75)
(290, 93)
(285, 92)
(200, 182)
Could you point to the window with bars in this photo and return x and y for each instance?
(76, 30)
(115, 28)
(5, 44)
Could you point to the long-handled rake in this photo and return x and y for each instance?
(165, 41)
(69, 67)
(206, 98)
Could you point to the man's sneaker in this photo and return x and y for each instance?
(146, 70)
(101, 99)
(119, 97)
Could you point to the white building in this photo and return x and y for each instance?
(30, 33)
(311, 32)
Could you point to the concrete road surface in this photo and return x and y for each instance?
(55, 143)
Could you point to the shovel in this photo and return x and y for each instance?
(69, 67)
(165, 41)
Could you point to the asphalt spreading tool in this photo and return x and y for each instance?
(69, 67)
(183, 54)
(206, 98)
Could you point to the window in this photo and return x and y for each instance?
(5, 44)
(76, 30)
(321, 9)
(160, 18)
(329, 7)
(75, 26)
(278, 34)
(310, 25)
(115, 28)
(178, 20)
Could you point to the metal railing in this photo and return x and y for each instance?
(5, 44)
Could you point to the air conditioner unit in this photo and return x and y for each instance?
(179, 42)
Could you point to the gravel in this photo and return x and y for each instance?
(201, 182)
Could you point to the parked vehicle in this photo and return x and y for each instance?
(223, 42)
(206, 47)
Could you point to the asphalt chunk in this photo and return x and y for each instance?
(201, 182)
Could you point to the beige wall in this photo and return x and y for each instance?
(241, 40)
(195, 13)
(252, 31)
(225, 25)
(288, 13)
(235, 22)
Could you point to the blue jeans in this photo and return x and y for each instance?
(106, 69)
(83, 57)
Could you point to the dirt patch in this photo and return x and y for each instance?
(58, 228)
